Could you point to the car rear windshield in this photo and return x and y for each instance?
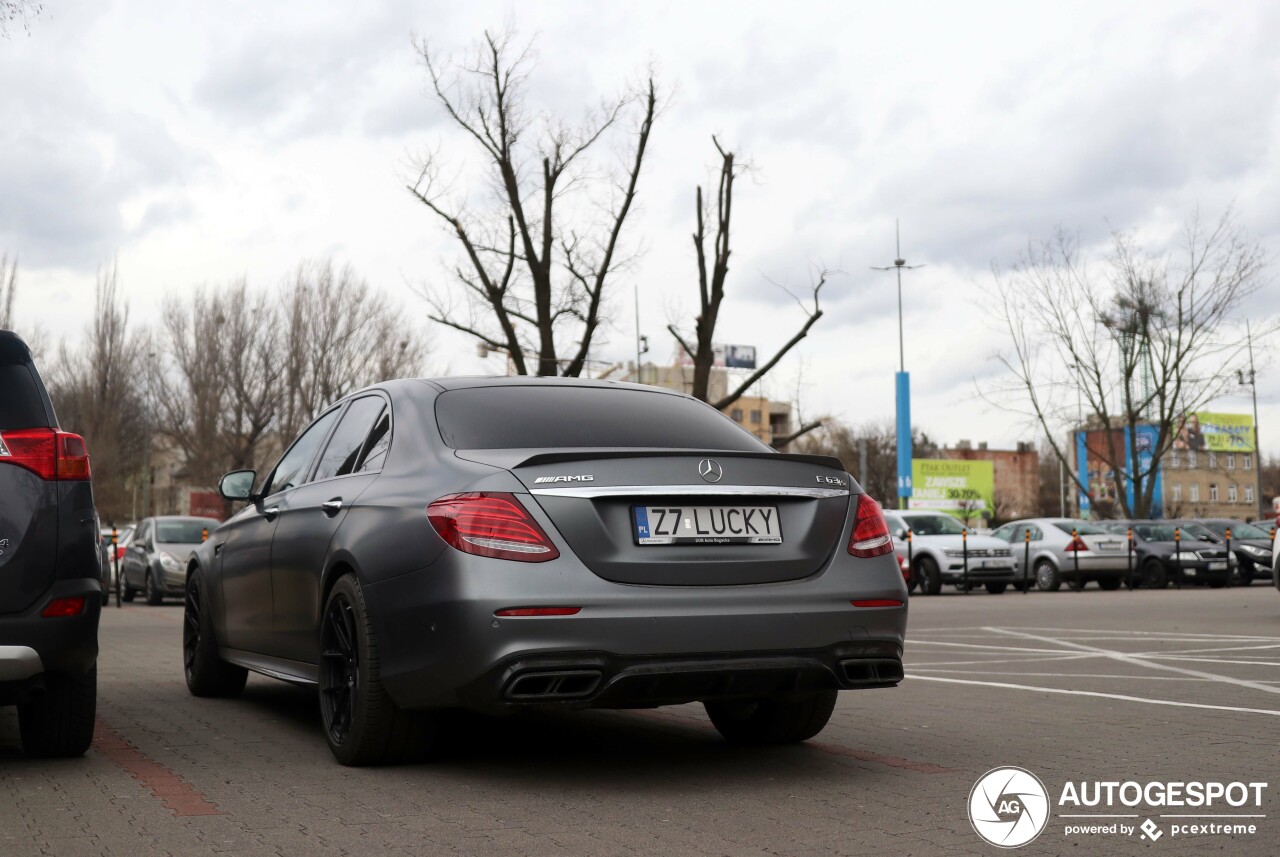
(571, 417)
(1239, 530)
(934, 525)
(189, 532)
(20, 403)
(1082, 528)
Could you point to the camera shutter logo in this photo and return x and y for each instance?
(1009, 807)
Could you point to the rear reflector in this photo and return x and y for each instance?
(64, 607)
(491, 524)
(51, 455)
(877, 602)
(538, 611)
(870, 531)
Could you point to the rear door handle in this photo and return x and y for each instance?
(270, 513)
(331, 507)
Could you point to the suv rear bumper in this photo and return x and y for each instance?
(31, 644)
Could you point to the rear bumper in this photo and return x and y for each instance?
(441, 644)
(1096, 566)
(1006, 571)
(61, 644)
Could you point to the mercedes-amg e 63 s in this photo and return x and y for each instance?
(519, 543)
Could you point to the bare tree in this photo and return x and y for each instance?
(880, 442)
(18, 10)
(711, 282)
(1142, 339)
(98, 392)
(538, 260)
(338, 335)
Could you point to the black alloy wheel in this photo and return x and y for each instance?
(339, 668)
(206, 673)
(191, 629)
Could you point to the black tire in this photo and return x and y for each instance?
(207, 674)
(930, 577)
(1153, 575)
(1244, 573)
(1109, 583)
(1047, 577)
(153, 593)
(362, 724)
(782, 720)
(997, 587)
(59, 722)
(128, 593)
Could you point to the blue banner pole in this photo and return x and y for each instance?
(903, 390)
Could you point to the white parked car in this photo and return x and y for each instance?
(938, 549)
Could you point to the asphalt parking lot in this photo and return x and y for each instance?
(1091, 686)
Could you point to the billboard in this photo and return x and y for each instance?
(1215, 432)
(1095, 449)
(966, 489)
(724, 356)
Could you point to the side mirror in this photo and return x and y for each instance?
(901, 532)
(1205, 537)
(237, 485)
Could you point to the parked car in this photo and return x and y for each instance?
(1252, 546)
(503, 544)
(1175, 552)
(50, 592)
(155, 560)
(938, 553)
(1067, 550)
(111, 557)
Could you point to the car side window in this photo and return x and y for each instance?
(1006, 533)
(342, 453)
(140, 536)
(292, 469)
(378, 444)
(1037, 534)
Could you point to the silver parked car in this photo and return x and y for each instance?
(938, 553)
(1067, 550)
(155, 562)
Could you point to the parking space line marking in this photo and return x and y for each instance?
(1068, 675)
(1095, 693)
(1211, 651)
(913, 664)
(991, 648)
(175, 794)
(1144, 662)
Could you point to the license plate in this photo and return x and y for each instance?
(997, 563)
(1217, 566)
(1109, 546)
(707, 525)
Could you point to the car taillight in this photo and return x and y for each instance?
(119, 552)
(49, 454)
(491, 524)
(1077, 544)
(870, 531)
(73, 606)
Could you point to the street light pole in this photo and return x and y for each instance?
(902, 381)
(1257, 446)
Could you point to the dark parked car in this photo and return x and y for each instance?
(50, 594)
(1252, 546)
(1178, 552)
(155, 561)
(506, 544)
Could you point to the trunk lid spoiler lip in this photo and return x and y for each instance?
(513, 458)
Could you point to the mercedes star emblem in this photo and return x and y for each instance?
(710, 470)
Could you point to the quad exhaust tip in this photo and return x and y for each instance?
(553, 685)
(871, 670)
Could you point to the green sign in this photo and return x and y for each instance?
(1216, 432)
(966, 489)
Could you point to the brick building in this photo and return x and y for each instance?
(1016, 472)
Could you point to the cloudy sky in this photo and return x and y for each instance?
(197, 143)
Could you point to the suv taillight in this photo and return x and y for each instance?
(491, 524)
(50, 454)
(870, 531)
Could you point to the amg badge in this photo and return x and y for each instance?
(542, 480)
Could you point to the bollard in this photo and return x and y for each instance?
(1026, 561)
(1177, 556)
(912, 565)
(1129, 563)
(964, 535)
(115, 559)
(204, 535)
(1228, 557)
(1078, 584)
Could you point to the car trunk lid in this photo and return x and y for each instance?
(740, 517)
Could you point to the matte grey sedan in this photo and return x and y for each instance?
(520, 543)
